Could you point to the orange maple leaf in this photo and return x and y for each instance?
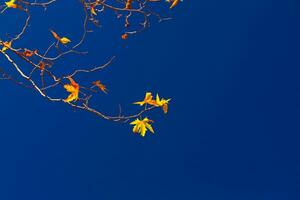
(100, 86)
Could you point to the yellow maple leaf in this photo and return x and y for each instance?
(174, 3)
(93, 7)
(141, 126)
(93, 11)
(73, 88)
(64, 40)
(11, 4)
(6, 45)
(164, 103)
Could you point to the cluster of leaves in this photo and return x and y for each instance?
(77, 95)
(141, 126)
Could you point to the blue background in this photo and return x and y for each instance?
(232, 70)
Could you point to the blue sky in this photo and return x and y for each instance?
(232, 132)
